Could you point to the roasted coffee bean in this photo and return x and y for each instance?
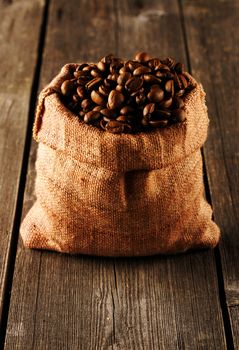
(107, 59)
(183, 80)
(103, 124)
(115, 99)
(115, 127)
(76, 98)
(169, 86)
(148, 109)
(179, 68)
(127, 110)
(155, 95)
(97, 98)
(154, 63)
(168, 61)
(166, 103)
(179, 115)
(91, 116)
(96, 73)
(158, 123)
(81, 114)
(108, 113)
(104, 90)
(81, 66)
(151, 79)
(180, 93)
(119, 88)
(141, 70)
(140, 98)
(92, 84)
(134, 84)
(81, 73)
(122, 78)
(67, 88)
(98, 108)
(81, 92)
(142, 56)
(102, 66)
(178, 102)
(86, 104)
(124, 119)
(162, 113)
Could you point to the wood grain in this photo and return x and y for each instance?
(234, 316)
(213, 35)
(76, 302)
(19, 45)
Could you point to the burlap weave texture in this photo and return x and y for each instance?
(118, 195)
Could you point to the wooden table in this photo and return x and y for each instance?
(54, 301)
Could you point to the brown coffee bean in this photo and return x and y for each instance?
(155, 95)
(179, 115)
(148, 109)
(81, 66)
(103, 124)
(158, 123)
(168, 61)
(151, 79)
(134, 84)
(96, 73)
(86, 104)
(140, 98)
(115, 99)
(166, 103)
(81, 114)
(169, 86)
(142, 56)
(92, 84)
(179, 68)
(119, 88)
(81, 73)
(154, 63)
(162, 114)
(123, 119)
(97, 98)
(98, 108)
(107, 59)
(127, 110)
(81, 92)
(180, 93)
(67, 88)
(101, 66)
(183, 80)
(91, 116)
(76, 98)
(122, 78)
(114, 127)
(132, 65)
(104, 90)
(108, 113)
(178, 102)
(141, 70)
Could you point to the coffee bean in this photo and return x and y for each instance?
(107, 59)
(104, 90)
(86, 104)
(98, 108)
(115, 99)
(183, 81)
(101, 66)
(67, 88)
(154, 63)
(142, 56)
(103, 124)
(81, 66)
(141, 70)
(151, 79)
(169, 86)
(148, 109)
(80, 91)
(179, 115)
(132, 65)
(108, 113)
(91, 116)
(119, 88)
(158, 123)
(97, 98)
(179, 68)
(92, 84)
(122, 78)
(96, 73)
(134, 84)
(140, 98)
(80, 74)
(127, 110)
(166, 103)
(114, 127)
(155, 95)
(76, 98)
(162, 114)
(178, 102)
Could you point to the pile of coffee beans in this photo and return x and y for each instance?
(128, 96)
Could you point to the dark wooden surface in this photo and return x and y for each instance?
(55, 301)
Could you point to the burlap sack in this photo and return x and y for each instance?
(118, 195)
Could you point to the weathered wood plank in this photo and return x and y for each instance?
(234, 317)
(213, 36)
(75, 302)
(19, 27)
